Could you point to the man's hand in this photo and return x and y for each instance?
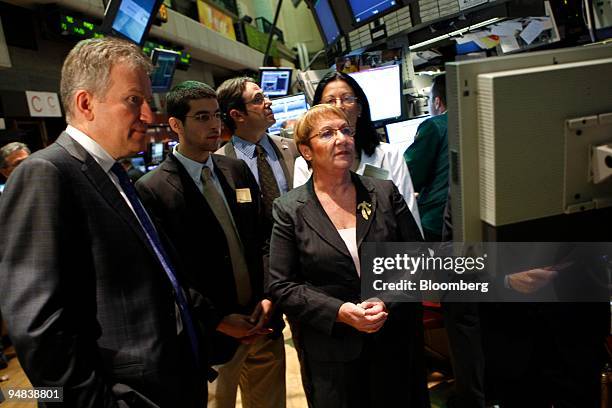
(260, 317)
(532, 280)
(368, 320)
(236, 325)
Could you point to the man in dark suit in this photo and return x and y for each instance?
(247, 114)
(91, 296)
(210, 207)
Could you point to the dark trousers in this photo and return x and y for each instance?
(368, 381)
(462, 322)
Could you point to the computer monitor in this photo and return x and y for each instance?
(156, 152)
(521, 130)
(366, 10)
(275, 81)
(326, 21)
(405, 131)
(165, 64)
(130, 19)
(383, 87)
(287, 108)
(1, 187)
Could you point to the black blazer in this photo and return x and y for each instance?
(176, 203)
(312, 273)
(88, 305)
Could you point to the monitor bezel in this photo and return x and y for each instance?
(110, 15)
(274, 69)
(320, 26)
(356, 24)
(154, 57)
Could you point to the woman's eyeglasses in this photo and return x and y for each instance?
(328, 134)
(346, 100)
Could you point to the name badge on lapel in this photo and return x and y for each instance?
(243, 195)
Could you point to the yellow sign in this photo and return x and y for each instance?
(216, 20)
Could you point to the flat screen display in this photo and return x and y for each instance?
(364, 10)
(163, 74)
(157, 152)
(404, 132)
(275, 82)
(327, 21)
(285, 109)
(383, 88)
(130, 18)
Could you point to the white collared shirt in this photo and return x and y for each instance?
(103, 158)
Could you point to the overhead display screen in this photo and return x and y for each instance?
(327, 21)
(364, 10)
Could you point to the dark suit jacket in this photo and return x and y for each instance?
(88, 305)
(175, 201)
(312, 274)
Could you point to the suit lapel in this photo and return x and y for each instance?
(365, 195)
(224, 175)
(220, 167)
(230, 150)
(171, 167)
(102, 182)
(317, 219)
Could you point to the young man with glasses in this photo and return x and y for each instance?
(247, 113)
(210, 207)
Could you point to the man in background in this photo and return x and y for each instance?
(247, 113)
(427, 160)
(11, 155)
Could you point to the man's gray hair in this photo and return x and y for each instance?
(6, 150)
(89, 63)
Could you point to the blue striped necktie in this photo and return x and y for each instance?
(164, 260)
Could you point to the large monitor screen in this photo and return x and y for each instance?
(364, 10)
(287, 109)
(130, 18)
(275, 82)
(403, 132)
(165, 63)
(383, 88)
(327, 21)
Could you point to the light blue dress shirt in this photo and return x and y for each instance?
(194, 169)
(245, 150)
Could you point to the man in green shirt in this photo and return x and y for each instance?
(427, 159)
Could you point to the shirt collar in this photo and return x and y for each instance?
(248, 148)
(193, 167)
(101, 156)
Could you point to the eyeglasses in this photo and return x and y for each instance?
(205, 117)
(327, 134)
(257, 100)
(346, 100)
